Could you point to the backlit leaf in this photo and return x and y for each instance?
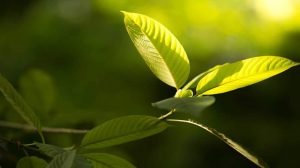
(104, 160)
(121, 130)
(236, 75)
(159, 48)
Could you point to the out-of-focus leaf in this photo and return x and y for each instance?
(63, 160)
(242, 73)
(18, 103)
(31, 162)
(186, 104)
(121, 130)
(159, 48)
(82, 162)
(38, 90)
(104, 160)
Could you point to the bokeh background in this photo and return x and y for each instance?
(74, 63)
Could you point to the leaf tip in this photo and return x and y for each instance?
(124, 12)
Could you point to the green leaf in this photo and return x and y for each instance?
(121, 130)
(49, 150)
(193, 83)
(187, 104)
(31, 162)
(82, 162)
(37, 89)
(104, 160)
(246, 153)
(242, 73)
(18, 103)
(63, 160)
(159, 48)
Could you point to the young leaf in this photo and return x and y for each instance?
(63, 160)
(49, 150)
(186, 104)
(18, 103)
(242, 73)
(121, 130)
(228, 141)
(31, 162)
(104, 160)
(159, 48)
(183, 93)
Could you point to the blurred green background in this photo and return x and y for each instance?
(74, 63)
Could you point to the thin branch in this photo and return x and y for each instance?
(246, 153)
(26, 127)
(166, 115)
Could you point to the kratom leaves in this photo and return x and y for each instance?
(53, 151)
(31, 162)
(49, 150)
(121, 130)
(186, 104)
(159, 48)
(242, 73)
(104, 160)
(228, 141)
(18, 103)
(63, 160)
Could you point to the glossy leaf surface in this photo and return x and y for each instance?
(104, 160)
(121, 130)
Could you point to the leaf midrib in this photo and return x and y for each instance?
(177, 87)
(294, 64)
(99, 162)
(116, 137)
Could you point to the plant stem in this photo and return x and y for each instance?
(166, 115)
(259, 162)
(44, 129)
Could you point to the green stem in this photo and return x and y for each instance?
(259, 162)
(27, 127)
(42, 136)
(166, 115)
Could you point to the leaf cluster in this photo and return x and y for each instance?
(168, 61)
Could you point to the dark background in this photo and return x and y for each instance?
(74, 63)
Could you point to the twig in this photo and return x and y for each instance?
(258, 161)
(166, 115)
(26, 127)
